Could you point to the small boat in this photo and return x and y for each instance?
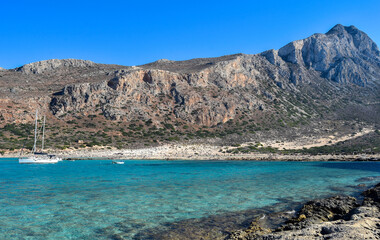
(117, 162)
(39, 157)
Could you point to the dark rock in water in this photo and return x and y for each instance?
(340, 189)
(117, 237)
(368, 179)
(372, 196)
(213, 227)
(222, 225)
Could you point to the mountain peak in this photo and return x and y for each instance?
(53, 64)
(340, 29)
(164, 60)
(343, 54)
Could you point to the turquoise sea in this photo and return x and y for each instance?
(95, 200)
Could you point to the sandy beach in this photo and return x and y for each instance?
(204, 151)
(195, 152)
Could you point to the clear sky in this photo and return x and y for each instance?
(138, 32)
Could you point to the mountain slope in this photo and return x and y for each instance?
(332, 76)
(213, 91)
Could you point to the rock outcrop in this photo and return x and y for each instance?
(332, 218)
(372, 196)
(322, 210)
(49, 66)
(142, 94)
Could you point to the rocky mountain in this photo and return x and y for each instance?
(332, 76)
(343, 54)
(213, 91)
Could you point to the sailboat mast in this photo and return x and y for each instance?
(35, 134)
(43, 135)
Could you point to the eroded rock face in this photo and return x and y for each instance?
(145, 94)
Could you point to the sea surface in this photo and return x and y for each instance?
(95, 199)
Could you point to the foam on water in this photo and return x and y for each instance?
(85, 199)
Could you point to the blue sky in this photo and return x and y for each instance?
(138, 32)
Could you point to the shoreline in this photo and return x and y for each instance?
(191, 152)
(238, 157)
(268, 150)
(356, 215)
(337, 217)
(259, 158)
(343, 216)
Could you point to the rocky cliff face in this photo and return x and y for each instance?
(302, 80)
(198, 98)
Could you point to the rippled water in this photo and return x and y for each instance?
(91, 199)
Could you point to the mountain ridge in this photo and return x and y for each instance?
(338, 30)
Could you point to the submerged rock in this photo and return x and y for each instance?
(368, 179)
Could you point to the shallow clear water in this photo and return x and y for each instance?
(84, 199)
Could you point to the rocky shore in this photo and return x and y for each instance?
(339, 217)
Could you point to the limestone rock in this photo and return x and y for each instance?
(322, 210)
(343, 54)
(136, 94)
(54, 65)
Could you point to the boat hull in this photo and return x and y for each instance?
(114, 162)
(39, 160)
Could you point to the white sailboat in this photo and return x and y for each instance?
(117, 162)
(39, 157)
